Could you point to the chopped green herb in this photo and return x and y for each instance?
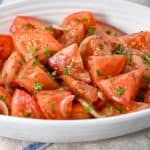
(129, 59)
(91, 30)
(35, 63)
(145, 59)
(38, 86)
(46, 51)
(52, 106)
(120, 91)
(48, 28)
(119, 110)
(32, 51)
(119, 50)
(2, 97)
(67, 70)
(109, 31)
(60, 89)
(99, 73)
(88, 108)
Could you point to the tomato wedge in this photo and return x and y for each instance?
(81, 89)
(102, 67)
(85, 17)
(140, 41)
(122, 88)
(147, 97)
(33, 78)
(5, 96)
(11, 68)
(23, 105)
(95, 45)
(55, 104)
(108, 29)
(68, 61)
(79, 112)
(6, 46)
(74, 35)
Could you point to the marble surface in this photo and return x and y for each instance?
(136, 141)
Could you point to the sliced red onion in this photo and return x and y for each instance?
(57, 27)
(3, 108)
(64, 104)
(91, 109)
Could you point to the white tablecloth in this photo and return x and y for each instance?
(136, 141)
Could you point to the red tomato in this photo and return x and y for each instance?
(122, 88)
(22, 23)
(81, 89)
(5, 96)
(147, 97)
(31, 44)
(74, 35)
(95, 45)
(101, 67)
(85, 17)
(108, 29)
(6, 46)
(23, 105)
(11, 67)
(137, 106)
(79, 112)
(33, 78)
(55, 104)
(140, 41)
(69, 61)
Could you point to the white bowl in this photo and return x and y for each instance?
(127, 16)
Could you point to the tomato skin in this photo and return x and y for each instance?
(108, 29)
(7, 96)
(11, 68)
(95, 45)
(29, 75)
(69, 56)
(79, 112)
(74, 35)
(128, 82)
(147, 97)
(23, 105)
(55, 104)
(101, 67)
(6, 46)
(85, 17)
(140, 41)
(81, 89)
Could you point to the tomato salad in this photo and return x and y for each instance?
(80, 69)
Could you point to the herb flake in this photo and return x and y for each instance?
(120, 91)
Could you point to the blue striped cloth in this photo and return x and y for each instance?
(35, 145)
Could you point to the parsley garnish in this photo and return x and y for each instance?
(46, 51)
(34, 63)
(99, 73)
(48, 28)
(32, 51)
(119, 50)
(91, 30)
(120, 91)
(2, 97)
(145, 59)
(38, 86)
(88, 108)
(67, 70)
(52, 106)
(129, 59)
